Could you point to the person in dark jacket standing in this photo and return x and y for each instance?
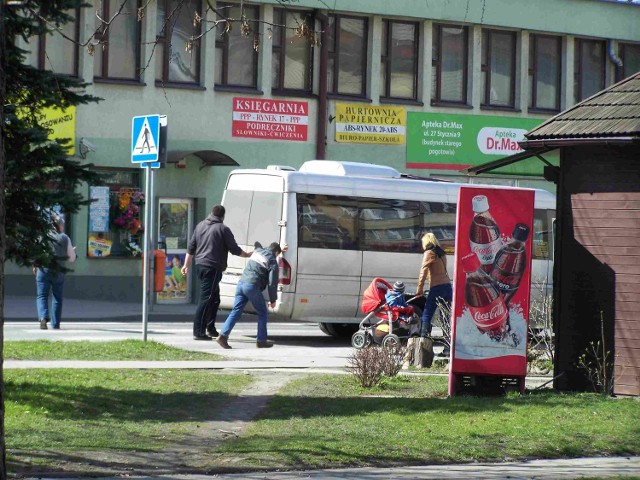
(210, 244)
(261, 272)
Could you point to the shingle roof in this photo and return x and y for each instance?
(613, 112)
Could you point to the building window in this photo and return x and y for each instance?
(498, 68)
(177, 55)
(118, 56)
(399, 62)
(630, 56)
(347, 55)
(292, 51)
(450, 64)
(589, 68)
(236, 52)
(55, 52)
(545, 69)
(115, 227)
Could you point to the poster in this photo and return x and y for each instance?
(370, 124)
(99, 209)
(270, 119)
(175, 284)
(492, 281)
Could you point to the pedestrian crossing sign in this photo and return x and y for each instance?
(145, 138)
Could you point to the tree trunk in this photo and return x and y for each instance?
(3, 457)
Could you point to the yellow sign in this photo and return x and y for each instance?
(61, 123)
(370, 124)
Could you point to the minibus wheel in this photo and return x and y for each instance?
(339, 330)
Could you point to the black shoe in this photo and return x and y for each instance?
(222, 341)
(264, 344)
(43, 323)
(213, 333)
(201, 337)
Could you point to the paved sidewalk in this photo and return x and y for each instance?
(23, 308)
(562, 469)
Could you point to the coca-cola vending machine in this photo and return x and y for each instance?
(492, 283)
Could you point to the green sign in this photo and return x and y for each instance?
(443, 141)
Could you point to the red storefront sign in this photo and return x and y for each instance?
(270, 119)
(492, 283)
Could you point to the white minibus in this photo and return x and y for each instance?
(346, 223)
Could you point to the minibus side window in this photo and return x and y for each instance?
(327, 222)
(440, 218)
(542, 234)
(389, 225)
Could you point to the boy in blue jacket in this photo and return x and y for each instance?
(261, 272)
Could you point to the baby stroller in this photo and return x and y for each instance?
(384, 324)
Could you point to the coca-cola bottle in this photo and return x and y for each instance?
(485, 301)
(510, 263)
(484, 234)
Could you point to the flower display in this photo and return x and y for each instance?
(128, 210)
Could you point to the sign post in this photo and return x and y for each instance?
(145, 140)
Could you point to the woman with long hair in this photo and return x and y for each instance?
(433, 271)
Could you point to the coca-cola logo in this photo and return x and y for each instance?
(484, 249)
(497, 311)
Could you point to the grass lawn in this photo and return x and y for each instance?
(70, 409)
(329, 421)
(113, 350)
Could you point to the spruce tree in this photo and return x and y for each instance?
(36, 174)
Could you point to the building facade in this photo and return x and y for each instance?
(428, 88)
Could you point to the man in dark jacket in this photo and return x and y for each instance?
(261, 272)
(210, 244)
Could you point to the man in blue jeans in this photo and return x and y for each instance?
(261, 272)
(51, 280)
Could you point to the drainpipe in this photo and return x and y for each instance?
(321, 143)
(615, 59)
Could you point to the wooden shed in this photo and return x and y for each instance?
(597, 256)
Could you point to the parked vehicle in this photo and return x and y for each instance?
(347, 223)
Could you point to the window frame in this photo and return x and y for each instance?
(533, 72)
(222, 42)
(485, 68)
(104, 49)
(281, 51)
(436, 63)
(622, 48)
(333, 89)
(578, 75)
(161, 39)
(42, 48)
(115, 233)
(386, 60)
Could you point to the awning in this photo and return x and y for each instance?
(208, 157)
(503, 162)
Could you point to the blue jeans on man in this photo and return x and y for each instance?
(443, 293)
(248, 292)
(49, 281)
(205, 318)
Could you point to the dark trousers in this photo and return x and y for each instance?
(207, 310)
(439, 292)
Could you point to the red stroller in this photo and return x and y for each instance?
(384, 324)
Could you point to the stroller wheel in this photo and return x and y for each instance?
(391, 341)
(360, 340)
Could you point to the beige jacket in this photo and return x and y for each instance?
(433, 270)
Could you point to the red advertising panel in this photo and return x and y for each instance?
(270, 119)
(491, 283)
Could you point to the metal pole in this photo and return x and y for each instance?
(145, 250)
